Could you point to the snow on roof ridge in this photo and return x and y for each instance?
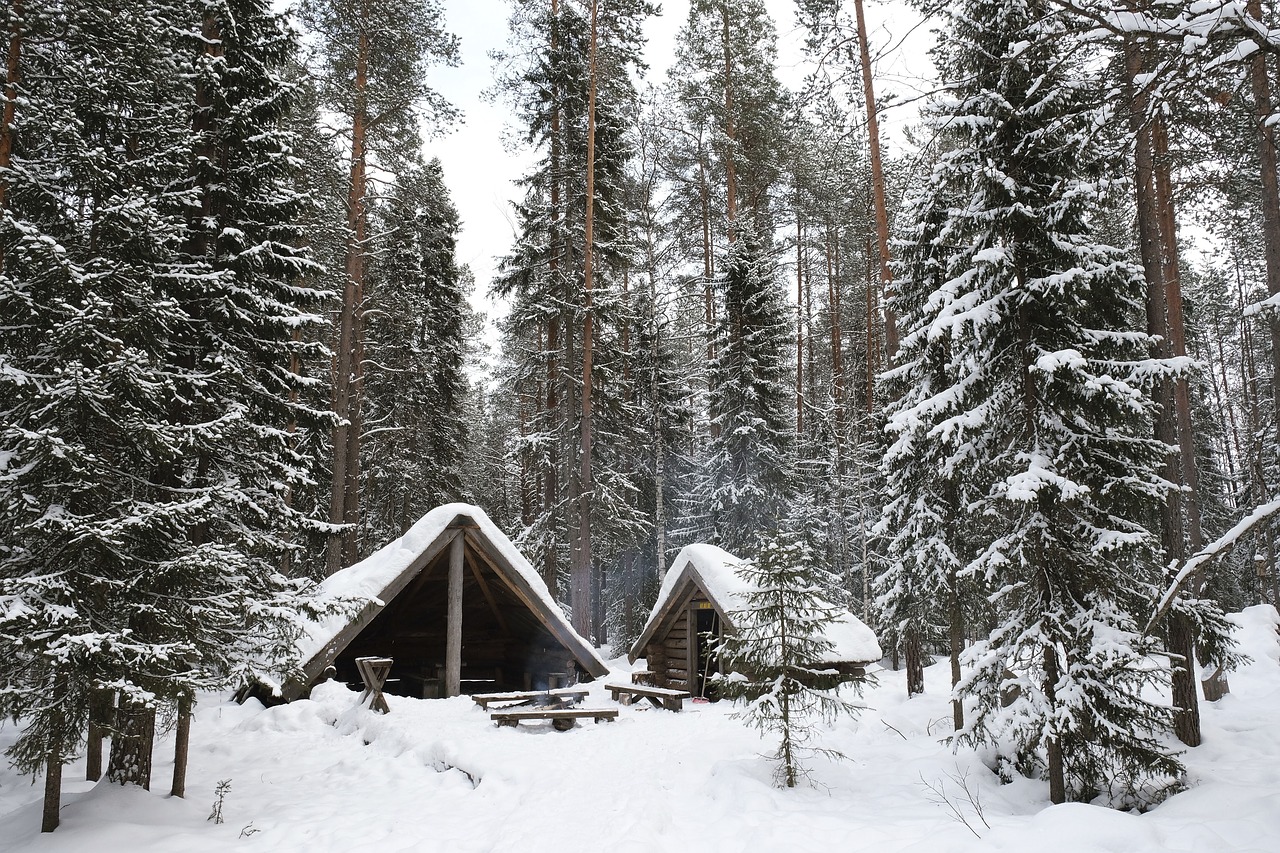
(370, 576)
(849, 636)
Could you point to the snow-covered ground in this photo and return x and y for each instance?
(324, 775)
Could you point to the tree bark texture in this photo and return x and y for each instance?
(132, 745)
(1262, 100)
(581, 577)
(1053, 746)
(877, 184)
(956, 626)
(101, 707)
(52, 792)
(730, 132)
(344, 499)
(181, 748)
(1151, 239)
(10, 94)
(9, 112)
(914, 656)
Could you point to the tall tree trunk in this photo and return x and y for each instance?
(1181, 638)
(52, 791)
(730, 132)
(913, 654)
(655, 354)
(101, 707)
(877, 182)
(956, 636)
(551, 475)
(344, 497)
(10, 95)
(581, 585)
(1262, 100)
(708, 266)
(181, 747)
(1053, 745)
(837, 339)
(799, 319)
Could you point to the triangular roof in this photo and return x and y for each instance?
(383, 575)
(715, 571)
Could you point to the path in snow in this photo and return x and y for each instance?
(323, 775)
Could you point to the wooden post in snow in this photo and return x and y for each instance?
(453, 644)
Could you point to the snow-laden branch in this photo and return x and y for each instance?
(1216, 549)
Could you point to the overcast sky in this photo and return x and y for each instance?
(479, 170)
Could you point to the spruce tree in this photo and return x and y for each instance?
(775, 655)
(415, 388)
(744, 478)
(1044, 414)
(146, 379)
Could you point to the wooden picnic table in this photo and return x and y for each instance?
(562, 719)
(661, 697)
(570, 695)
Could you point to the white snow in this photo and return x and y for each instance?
(326, 776)
(365, 580)
(850, 638)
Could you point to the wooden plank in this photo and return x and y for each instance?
(690, 652)
(513, 717)
(571, 693)
(453, 645)
(488, 596)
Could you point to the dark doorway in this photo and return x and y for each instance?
(707, 651)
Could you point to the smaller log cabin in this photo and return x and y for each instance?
(695, 608)
(456, 607)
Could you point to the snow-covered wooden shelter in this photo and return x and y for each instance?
(456, 606)
(695, 606)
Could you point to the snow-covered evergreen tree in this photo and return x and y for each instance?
(743, 482)
(417, 315)
(547, 79)
(774, 657)
(1034, 394)
(150, 291)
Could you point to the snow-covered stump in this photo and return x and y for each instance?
(1214, 684)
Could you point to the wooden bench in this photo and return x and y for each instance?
(661, 697)
(561, 718)
(563, 694)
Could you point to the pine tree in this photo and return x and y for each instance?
(775, 655)
(1045, 412)
(374, 57)
(550, 82)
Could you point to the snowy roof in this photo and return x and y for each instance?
(378, 578)
(715, 571)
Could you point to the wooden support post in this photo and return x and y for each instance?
(453, 646)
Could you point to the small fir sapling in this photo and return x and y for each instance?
(773, 659)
